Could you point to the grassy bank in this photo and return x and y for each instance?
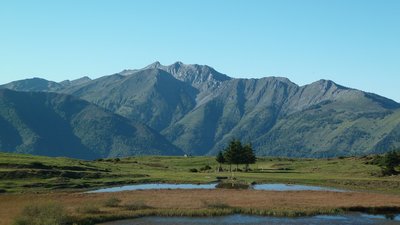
(26, 173)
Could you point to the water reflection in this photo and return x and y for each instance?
(258, 220)
(293, 187)
(266, 187)
(155, 187)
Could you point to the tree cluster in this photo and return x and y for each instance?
(389, 162)
(237, 154)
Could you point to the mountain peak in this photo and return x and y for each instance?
(177, 63)
(154, 65)
(281, 79)
(194, 74)
(78, 81)
(324, 81)
(327, 84)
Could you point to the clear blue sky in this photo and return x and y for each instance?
(353, 42)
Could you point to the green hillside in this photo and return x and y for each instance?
(60, 125)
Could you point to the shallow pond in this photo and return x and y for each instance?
(258, 220)
(155, 187)
(267, 187)
(293, 187)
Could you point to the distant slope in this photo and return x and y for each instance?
(60, 125)
(33, 84)
(281, 118)
(152, 96)
(199, 110)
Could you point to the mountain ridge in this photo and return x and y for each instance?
(200, 109)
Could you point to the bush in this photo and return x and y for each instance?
(204, 168)
(232, 185)
(385, 171)
(43, 214)
(193, 170)
(136, 206)
(38, 165)
(112, 202)
(389, 162)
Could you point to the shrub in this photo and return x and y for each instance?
(112, 202)
(38, 165)
(193, 170)
(136, 206)
(43, 214)
(389, 162)
(204, 168)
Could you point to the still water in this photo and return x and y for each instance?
(356, 218)
(267, 187)
(293, 187)
(155, 187)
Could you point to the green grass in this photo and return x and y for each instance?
(27, 173)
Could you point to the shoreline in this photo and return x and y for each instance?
(249, 212)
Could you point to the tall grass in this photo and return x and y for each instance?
(88, 209)
(49, 213)
(138, 205)
(206, 212)
(216, 205)
(112, 202)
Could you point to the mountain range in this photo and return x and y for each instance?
(194, 109)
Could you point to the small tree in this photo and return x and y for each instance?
(233, 152)
(220, 159)
(248, 156)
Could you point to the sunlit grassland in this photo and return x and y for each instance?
(26, 173)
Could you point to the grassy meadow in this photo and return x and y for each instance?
(35, 185)
(26, 173)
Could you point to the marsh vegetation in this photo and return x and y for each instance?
(63, 181)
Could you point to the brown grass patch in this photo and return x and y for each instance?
(12, 204)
